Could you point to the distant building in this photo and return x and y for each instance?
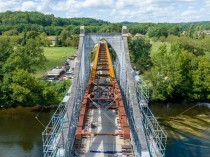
(138, 35)
(55, 73)
(129, 35)
(184, 32)
(52, 39)
(207, 32)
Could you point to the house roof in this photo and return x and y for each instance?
(138, 35)
(51, 37)
(55, 71)
(207, 31)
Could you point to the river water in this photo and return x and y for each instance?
(186, 125)
(20, 132)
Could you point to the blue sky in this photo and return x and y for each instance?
(117, 10)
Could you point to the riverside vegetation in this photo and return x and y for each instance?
(19, 61)
(177, 69)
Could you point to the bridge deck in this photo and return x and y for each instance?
(103, 128)
(104, 143)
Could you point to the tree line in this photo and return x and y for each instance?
(35, 21)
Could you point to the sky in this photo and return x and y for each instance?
(117, 10)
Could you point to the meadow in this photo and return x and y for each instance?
(56, 56)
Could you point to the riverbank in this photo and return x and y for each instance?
(28, 108)
(179, 100)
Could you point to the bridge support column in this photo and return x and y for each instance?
(133, 101)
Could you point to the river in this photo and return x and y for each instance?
(187, 126)
(20, 132)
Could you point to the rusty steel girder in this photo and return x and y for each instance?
(108, 91)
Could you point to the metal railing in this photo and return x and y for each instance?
(58, 136)
(156, 138)
(53, 131)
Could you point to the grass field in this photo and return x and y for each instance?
(207, 55)
(55, 57)
(156, 45)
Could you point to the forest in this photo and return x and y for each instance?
(178, 69)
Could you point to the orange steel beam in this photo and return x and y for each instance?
(114, 92)
(111, 69)
(94, 68)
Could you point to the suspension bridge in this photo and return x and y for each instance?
(105, 112)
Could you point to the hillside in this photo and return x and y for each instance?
(51, 25)
(19, 17)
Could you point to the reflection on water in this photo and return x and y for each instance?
(187, 127)
(188, 130)
(20, 132)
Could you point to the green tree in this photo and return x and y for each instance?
(29, 90)
(174, 30)
(57, 41)
(201, 79)
(28, 57)
(6, 49)
(178, 73)
(165, 74)
(158, 31)
(113, 28)
(194, 46)
(44, 40)
(12, 32)
(140, 53)
(139, 28)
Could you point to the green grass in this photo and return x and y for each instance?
(207, 55)
(156, 45)
(55, 57)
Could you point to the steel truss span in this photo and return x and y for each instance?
(105, 112)
(102, 126)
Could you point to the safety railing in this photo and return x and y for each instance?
(156, 138)
(58, 136)
(53, 131)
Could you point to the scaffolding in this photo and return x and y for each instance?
(59, 134)
(54, 131)
(156, 138)
(146, 134)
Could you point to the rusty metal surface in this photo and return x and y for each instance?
(102, 93)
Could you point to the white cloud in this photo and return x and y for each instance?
(29, 6)
(188, 12)
(7, 5)
(96, 4)
(117, 10)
